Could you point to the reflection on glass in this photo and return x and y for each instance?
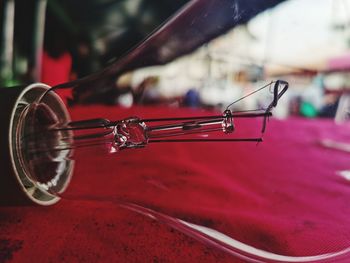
(216, 54)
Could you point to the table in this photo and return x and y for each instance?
(285, 196)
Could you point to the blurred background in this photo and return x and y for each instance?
(303, 42)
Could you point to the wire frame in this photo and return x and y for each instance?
(179, 126)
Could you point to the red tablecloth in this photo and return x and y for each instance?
(283, 196)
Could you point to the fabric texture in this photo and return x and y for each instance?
(285, 196)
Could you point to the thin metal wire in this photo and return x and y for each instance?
(249, 94)
(181, 124)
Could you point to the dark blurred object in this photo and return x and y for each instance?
(330, 108)
(83, 56)
(144, 94)
(56, 58)
(192, 99)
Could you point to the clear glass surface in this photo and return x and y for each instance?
(98, 134)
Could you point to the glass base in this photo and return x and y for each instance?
(38, 174)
